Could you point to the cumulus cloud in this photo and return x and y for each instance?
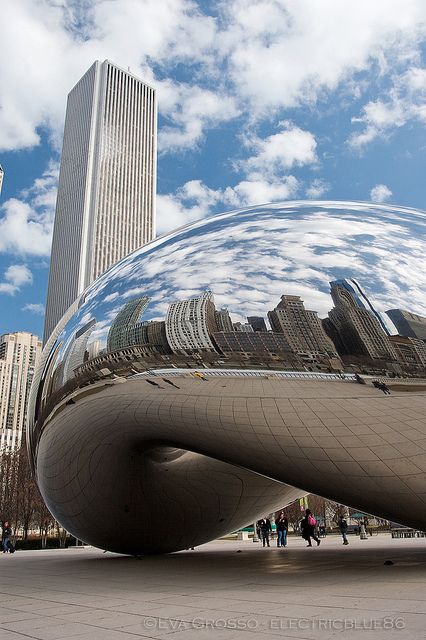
(251, 192)
(259, 55)
(380, 193)
(191, 111)
(26, 223)
(281, 151)
(75, 34)
(195, 200)
(284, 54)
(404, 102)
(15, 277)
(36, 308)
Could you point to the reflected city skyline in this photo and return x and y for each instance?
(246, 290)
(297, 337)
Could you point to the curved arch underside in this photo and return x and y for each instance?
(137, 468)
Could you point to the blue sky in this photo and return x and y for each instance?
(259, 101)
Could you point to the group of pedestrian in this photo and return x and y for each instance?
(307, 527)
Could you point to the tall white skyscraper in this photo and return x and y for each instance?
(105, 207)
(18, 357)
(1, 177)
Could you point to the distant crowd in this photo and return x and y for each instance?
(308, 527)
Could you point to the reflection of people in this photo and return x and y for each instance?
(382, 386)
(265, 530)
(282, 527)
(343, 526)
(5, 538)
(308, 528)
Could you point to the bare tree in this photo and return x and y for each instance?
(27, 494)
(293, 513)
(8, 485)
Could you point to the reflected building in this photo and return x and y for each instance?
(408, 324)
(302, 329)
(93, 349)
(410, 351)
(360, 331)
(190, 324)
(76, 351)
(223, 320)
(257, 322)
(362, 301)
(266, 346)
(127, 329)
(157, 338)
(242, 326)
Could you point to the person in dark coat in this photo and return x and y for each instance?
(343, 526)
(265, 530)
(5, 537)
(281, 524)
(308, 528)
(384, 387)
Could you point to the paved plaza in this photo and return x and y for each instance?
(224, 589)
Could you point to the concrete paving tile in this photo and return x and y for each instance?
(111, 634)
(16, 616)
(49, 631)
(209, 634)
(11, 635)
(115, 597)
(157, 627)
(104, 619)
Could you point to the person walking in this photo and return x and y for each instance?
(5, 537)
(384, 387)
(265, 530)
(308, 528)
(282, 528)
(343, 526)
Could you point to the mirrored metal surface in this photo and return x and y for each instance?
(293, 291)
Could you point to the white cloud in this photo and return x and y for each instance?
(380, 193)
(259, 55)
(15, 277)
(283, 54)
(195, 200)
(26, 224)
(36, 308)
(74, 35)
(191, 110)
(404, 102)
(252, 192)
(316, 189)
(291, 147)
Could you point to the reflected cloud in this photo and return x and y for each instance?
(274, 262)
